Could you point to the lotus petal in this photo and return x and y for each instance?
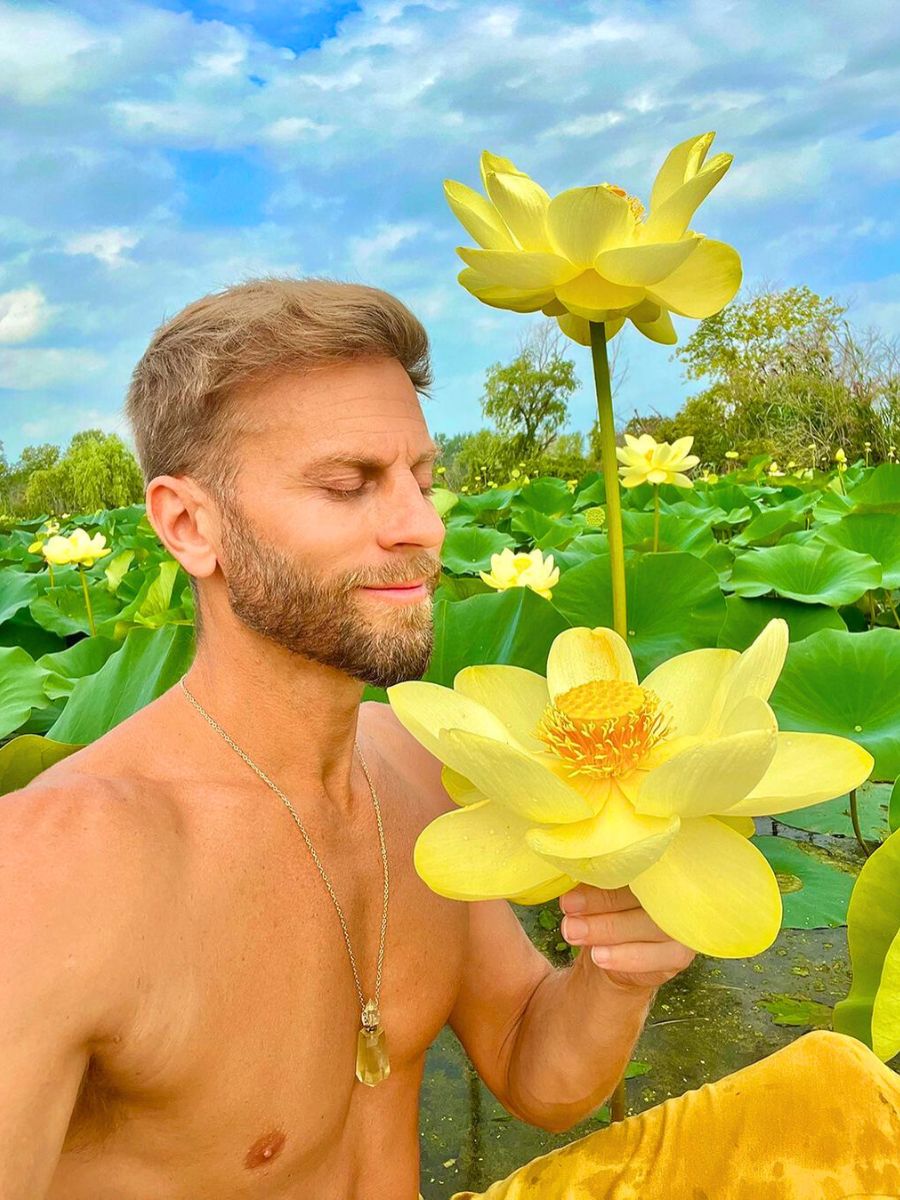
(478, 216)
(517, 695)
(712, 890)
(582, 655)
(703, 284)
(583, 221)
(807, 768)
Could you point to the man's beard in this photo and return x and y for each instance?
(325, 621)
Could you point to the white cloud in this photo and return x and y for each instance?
(118, 114)
(44, 367)
(104, 244)
(364, 252)
(58, 424)
(23, 314)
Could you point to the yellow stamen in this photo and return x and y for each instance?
(633, 203)
(604, 727)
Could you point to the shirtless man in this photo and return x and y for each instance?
(178, 1015)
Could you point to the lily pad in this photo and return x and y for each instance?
(21, 688)
(149, 662)
(66, 667)
(744, 619)
(516, 626)
(814, 895)
(813, 574)
(847, 684)
(25, 757)
(875, 534)
(673, 603)
(833, 816)
(879, 491)
(467, 549)
(797, 1010)
(675, 533)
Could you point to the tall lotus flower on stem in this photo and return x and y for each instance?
(591, 776)
(593, 257)
(644, 460)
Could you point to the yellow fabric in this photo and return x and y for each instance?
(818, 1119)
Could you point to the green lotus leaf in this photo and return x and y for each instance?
(814, 894)
(833, 816)
(846, 684)
(467, 549)
(879, 491)
(675, 533)
(813, 574)
(21, 688)
(769, 526)
(745, 619)
(66, 667)
(23, 759)
(546, 495)
(17, 590)
(673, 603)
(875, 534)
(149, 662)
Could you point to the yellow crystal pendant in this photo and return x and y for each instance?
(372, 1063)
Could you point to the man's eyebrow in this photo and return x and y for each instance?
(343, 459)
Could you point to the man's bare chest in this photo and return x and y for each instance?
(238, 1076)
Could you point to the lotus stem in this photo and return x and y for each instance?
(50, 569)
(609, 463)
(891, 606)
(87, 601)
(854, 817)
(655, 518)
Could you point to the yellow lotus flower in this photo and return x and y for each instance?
(774, 468)
(731, 454)
(589, 776)
(522, 570)
(839, 455)
(648, 461)
(78, 547)
(588, 254)
(709, 477)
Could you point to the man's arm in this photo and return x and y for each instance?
(573, 1044)
(550, 1043)
(59, 966)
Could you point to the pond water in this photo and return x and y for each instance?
(714, 1018)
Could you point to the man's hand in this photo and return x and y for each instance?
(637, 954)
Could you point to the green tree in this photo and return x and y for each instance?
(784, 372)
(97, 471)
(527, 399)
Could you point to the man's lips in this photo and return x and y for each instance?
(396, 586)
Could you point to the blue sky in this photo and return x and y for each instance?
(151, 153)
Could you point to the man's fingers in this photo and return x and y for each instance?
(643, 959)
(587, 898)
(607, 928)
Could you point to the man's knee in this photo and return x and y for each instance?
(823, 1057)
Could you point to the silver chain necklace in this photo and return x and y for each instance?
(372, 1064)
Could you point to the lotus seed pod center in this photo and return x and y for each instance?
(603, 727)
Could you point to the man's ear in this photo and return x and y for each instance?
(186, 522)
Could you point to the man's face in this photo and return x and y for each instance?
(297, 556)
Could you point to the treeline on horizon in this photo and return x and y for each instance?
(783, 375)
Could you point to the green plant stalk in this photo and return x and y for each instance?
(87, 600)
(873, 614)
(50, 569)
(854, 817)
(892, 606)
(655, 518)
(610, 466)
